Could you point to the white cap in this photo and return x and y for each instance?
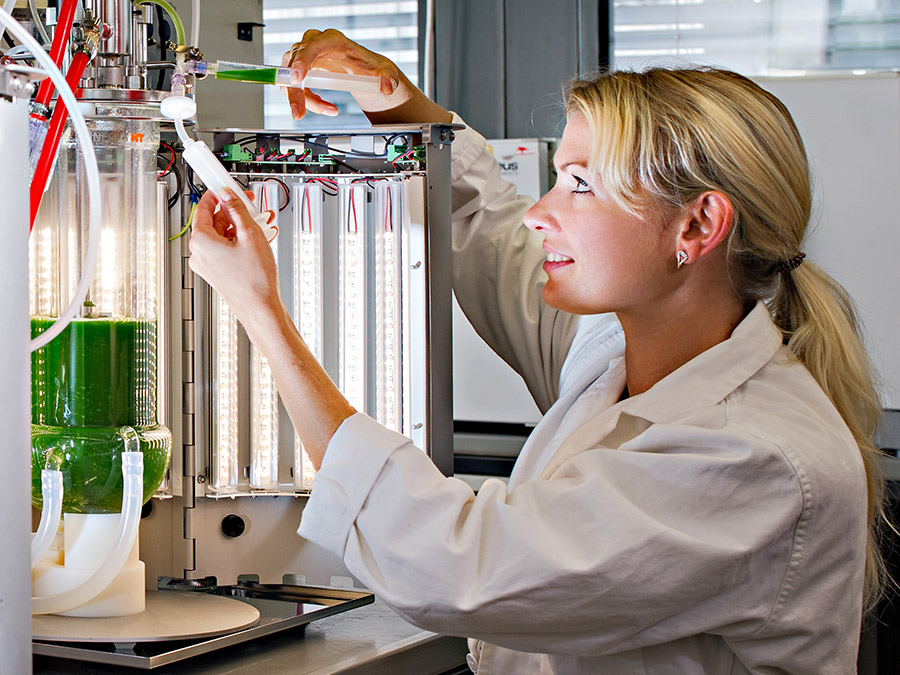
(178, 107)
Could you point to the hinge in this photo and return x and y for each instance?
(189, 465)
(189, 543)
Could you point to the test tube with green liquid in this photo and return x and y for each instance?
(280, 76)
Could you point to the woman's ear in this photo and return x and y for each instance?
(705, 223)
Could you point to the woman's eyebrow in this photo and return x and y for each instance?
(566, 165)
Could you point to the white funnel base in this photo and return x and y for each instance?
(88, 540)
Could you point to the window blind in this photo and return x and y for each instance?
(389, 28)
(758, 37)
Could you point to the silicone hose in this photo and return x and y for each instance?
(8, 6)
(52, 494)
(126, 534)
(38, 23)
(170, 10)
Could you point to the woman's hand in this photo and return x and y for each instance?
(230, 251)
(398, 101)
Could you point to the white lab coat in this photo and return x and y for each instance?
(714, 524)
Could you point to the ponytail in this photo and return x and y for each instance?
(819, 324)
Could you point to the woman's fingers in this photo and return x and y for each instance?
(332, 50)
(317, 104)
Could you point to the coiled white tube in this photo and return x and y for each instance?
(90, 165)
(132, 498)
(52, 494)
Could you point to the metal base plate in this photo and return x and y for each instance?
(276, 608)
(170, 615)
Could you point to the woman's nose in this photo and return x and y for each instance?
(539, 216)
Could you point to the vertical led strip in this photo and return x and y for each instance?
(225, 398)
(263, 394)
(161, 290)
(308, 264)
(307, 215)
(109, 287)
(388, 307)
(352, 294)
(43, 273)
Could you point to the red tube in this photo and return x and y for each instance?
(58, 47)
(54, 133)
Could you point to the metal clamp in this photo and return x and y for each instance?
(17, 81)
(86, 36)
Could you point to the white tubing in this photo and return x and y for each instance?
(93, 176)
(32, 7)
(132, 498)
(8, 6)
(52, 493)
(195, 24)
(182, 132)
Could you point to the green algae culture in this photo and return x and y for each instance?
(260, 75)
(97, 377)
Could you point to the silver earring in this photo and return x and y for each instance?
(680, 258)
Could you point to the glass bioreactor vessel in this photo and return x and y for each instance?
(152, 408)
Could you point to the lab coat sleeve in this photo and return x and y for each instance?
(618, 549)
(497, 275)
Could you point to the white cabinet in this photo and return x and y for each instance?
(485, 388)
(851, 127)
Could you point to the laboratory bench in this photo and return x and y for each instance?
(368, 640)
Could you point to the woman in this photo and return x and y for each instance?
(702, 493)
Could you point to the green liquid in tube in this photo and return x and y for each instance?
(95, 377)
(260, 75)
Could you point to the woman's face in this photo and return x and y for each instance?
(600, 258)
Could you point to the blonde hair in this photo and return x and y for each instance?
(663, 137)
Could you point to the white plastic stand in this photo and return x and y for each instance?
(88, 539)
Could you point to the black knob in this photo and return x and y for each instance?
(233, 526)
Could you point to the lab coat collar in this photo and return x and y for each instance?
(703, 381)
(708, 378)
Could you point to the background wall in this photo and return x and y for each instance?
(501, 64)
(227, 104)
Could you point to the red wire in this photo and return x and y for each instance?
(287, 193)
(353, 211)
(327, 182)
(54, 133)
(57, 48)
(171, 161)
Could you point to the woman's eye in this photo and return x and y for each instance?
(581, 185)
